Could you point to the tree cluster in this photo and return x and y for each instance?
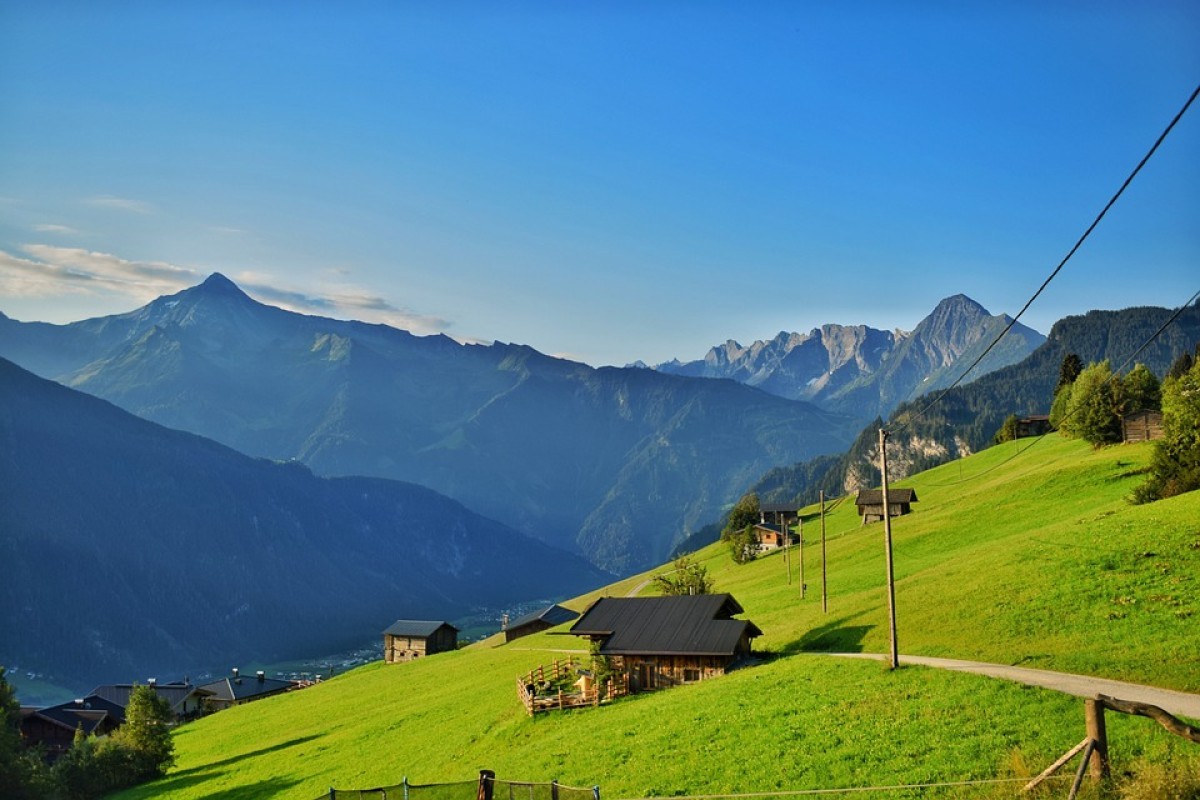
(1175, 463)
(139, 751)
(1090, 405)
(686, 577)
(739, 528)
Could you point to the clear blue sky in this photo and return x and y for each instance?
(606, 181)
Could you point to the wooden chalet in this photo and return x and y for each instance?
(409, 639)
(1142, 426)
(870, 503)
(656, 642)
(236, 690)
(537, 621)
(767, 538)
(53, 728)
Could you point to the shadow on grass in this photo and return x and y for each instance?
(267, 788)
(833, 637)
(206, 768)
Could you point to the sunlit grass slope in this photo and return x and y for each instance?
(1035, 560)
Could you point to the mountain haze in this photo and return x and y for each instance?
(616, 464)
(130, 549)
(864, 372)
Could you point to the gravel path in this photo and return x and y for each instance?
(1179, 703)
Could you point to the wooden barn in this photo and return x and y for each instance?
(656, 642)
(409, 639)
(1142, 426)
(1033, 425)
(870, 503)
(538, 620)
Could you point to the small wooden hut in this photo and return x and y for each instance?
(538, 620)
(409, 639)
(1142, 426)
(870, 503)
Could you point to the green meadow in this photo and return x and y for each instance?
(1024, 554)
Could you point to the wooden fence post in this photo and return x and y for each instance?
(487, 784)
(1094, 710)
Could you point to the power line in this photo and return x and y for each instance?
(1115, 376)
(1112, 201)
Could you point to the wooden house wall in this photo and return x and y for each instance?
(650, 672)
(1142, 426)
(874, 513)
(443, 640)
(406, 648)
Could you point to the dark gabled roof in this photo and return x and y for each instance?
(174, 693)
(416, 627)
(782, 508)
(89, 712)
(245, 687)
(683, 625)
(551, 615)
(874, 497)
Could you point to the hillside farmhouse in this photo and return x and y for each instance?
(53, 728)
(538, 620)
(236, 690)
(100, 713)
(870, 503)
(409, 639)
(767, 538)
(656, 642)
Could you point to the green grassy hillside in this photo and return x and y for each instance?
(1013, 557)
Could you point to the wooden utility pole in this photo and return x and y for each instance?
(800, 533)
(887, 538)
(781, 521)
(824, 586)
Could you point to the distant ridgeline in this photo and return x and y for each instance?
(613, 464)
(968, 416)
(133, 550)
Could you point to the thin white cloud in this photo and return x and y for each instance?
(341, 301)
(52, 270)
(48, 271)
(119, 203)
(51, 228)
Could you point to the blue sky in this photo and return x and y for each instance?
(604, 181)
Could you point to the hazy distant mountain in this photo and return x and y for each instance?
(863, 372)
(131, 550)
(615, 463)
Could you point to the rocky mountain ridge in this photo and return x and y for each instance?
(864, 372)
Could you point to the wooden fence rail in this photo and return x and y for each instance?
(1095, 744)
(544, 688)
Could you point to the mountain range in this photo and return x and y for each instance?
(616, 464)
(864, 372)
(965, 418)
(130, 549)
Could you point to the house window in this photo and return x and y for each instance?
(691, 675)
